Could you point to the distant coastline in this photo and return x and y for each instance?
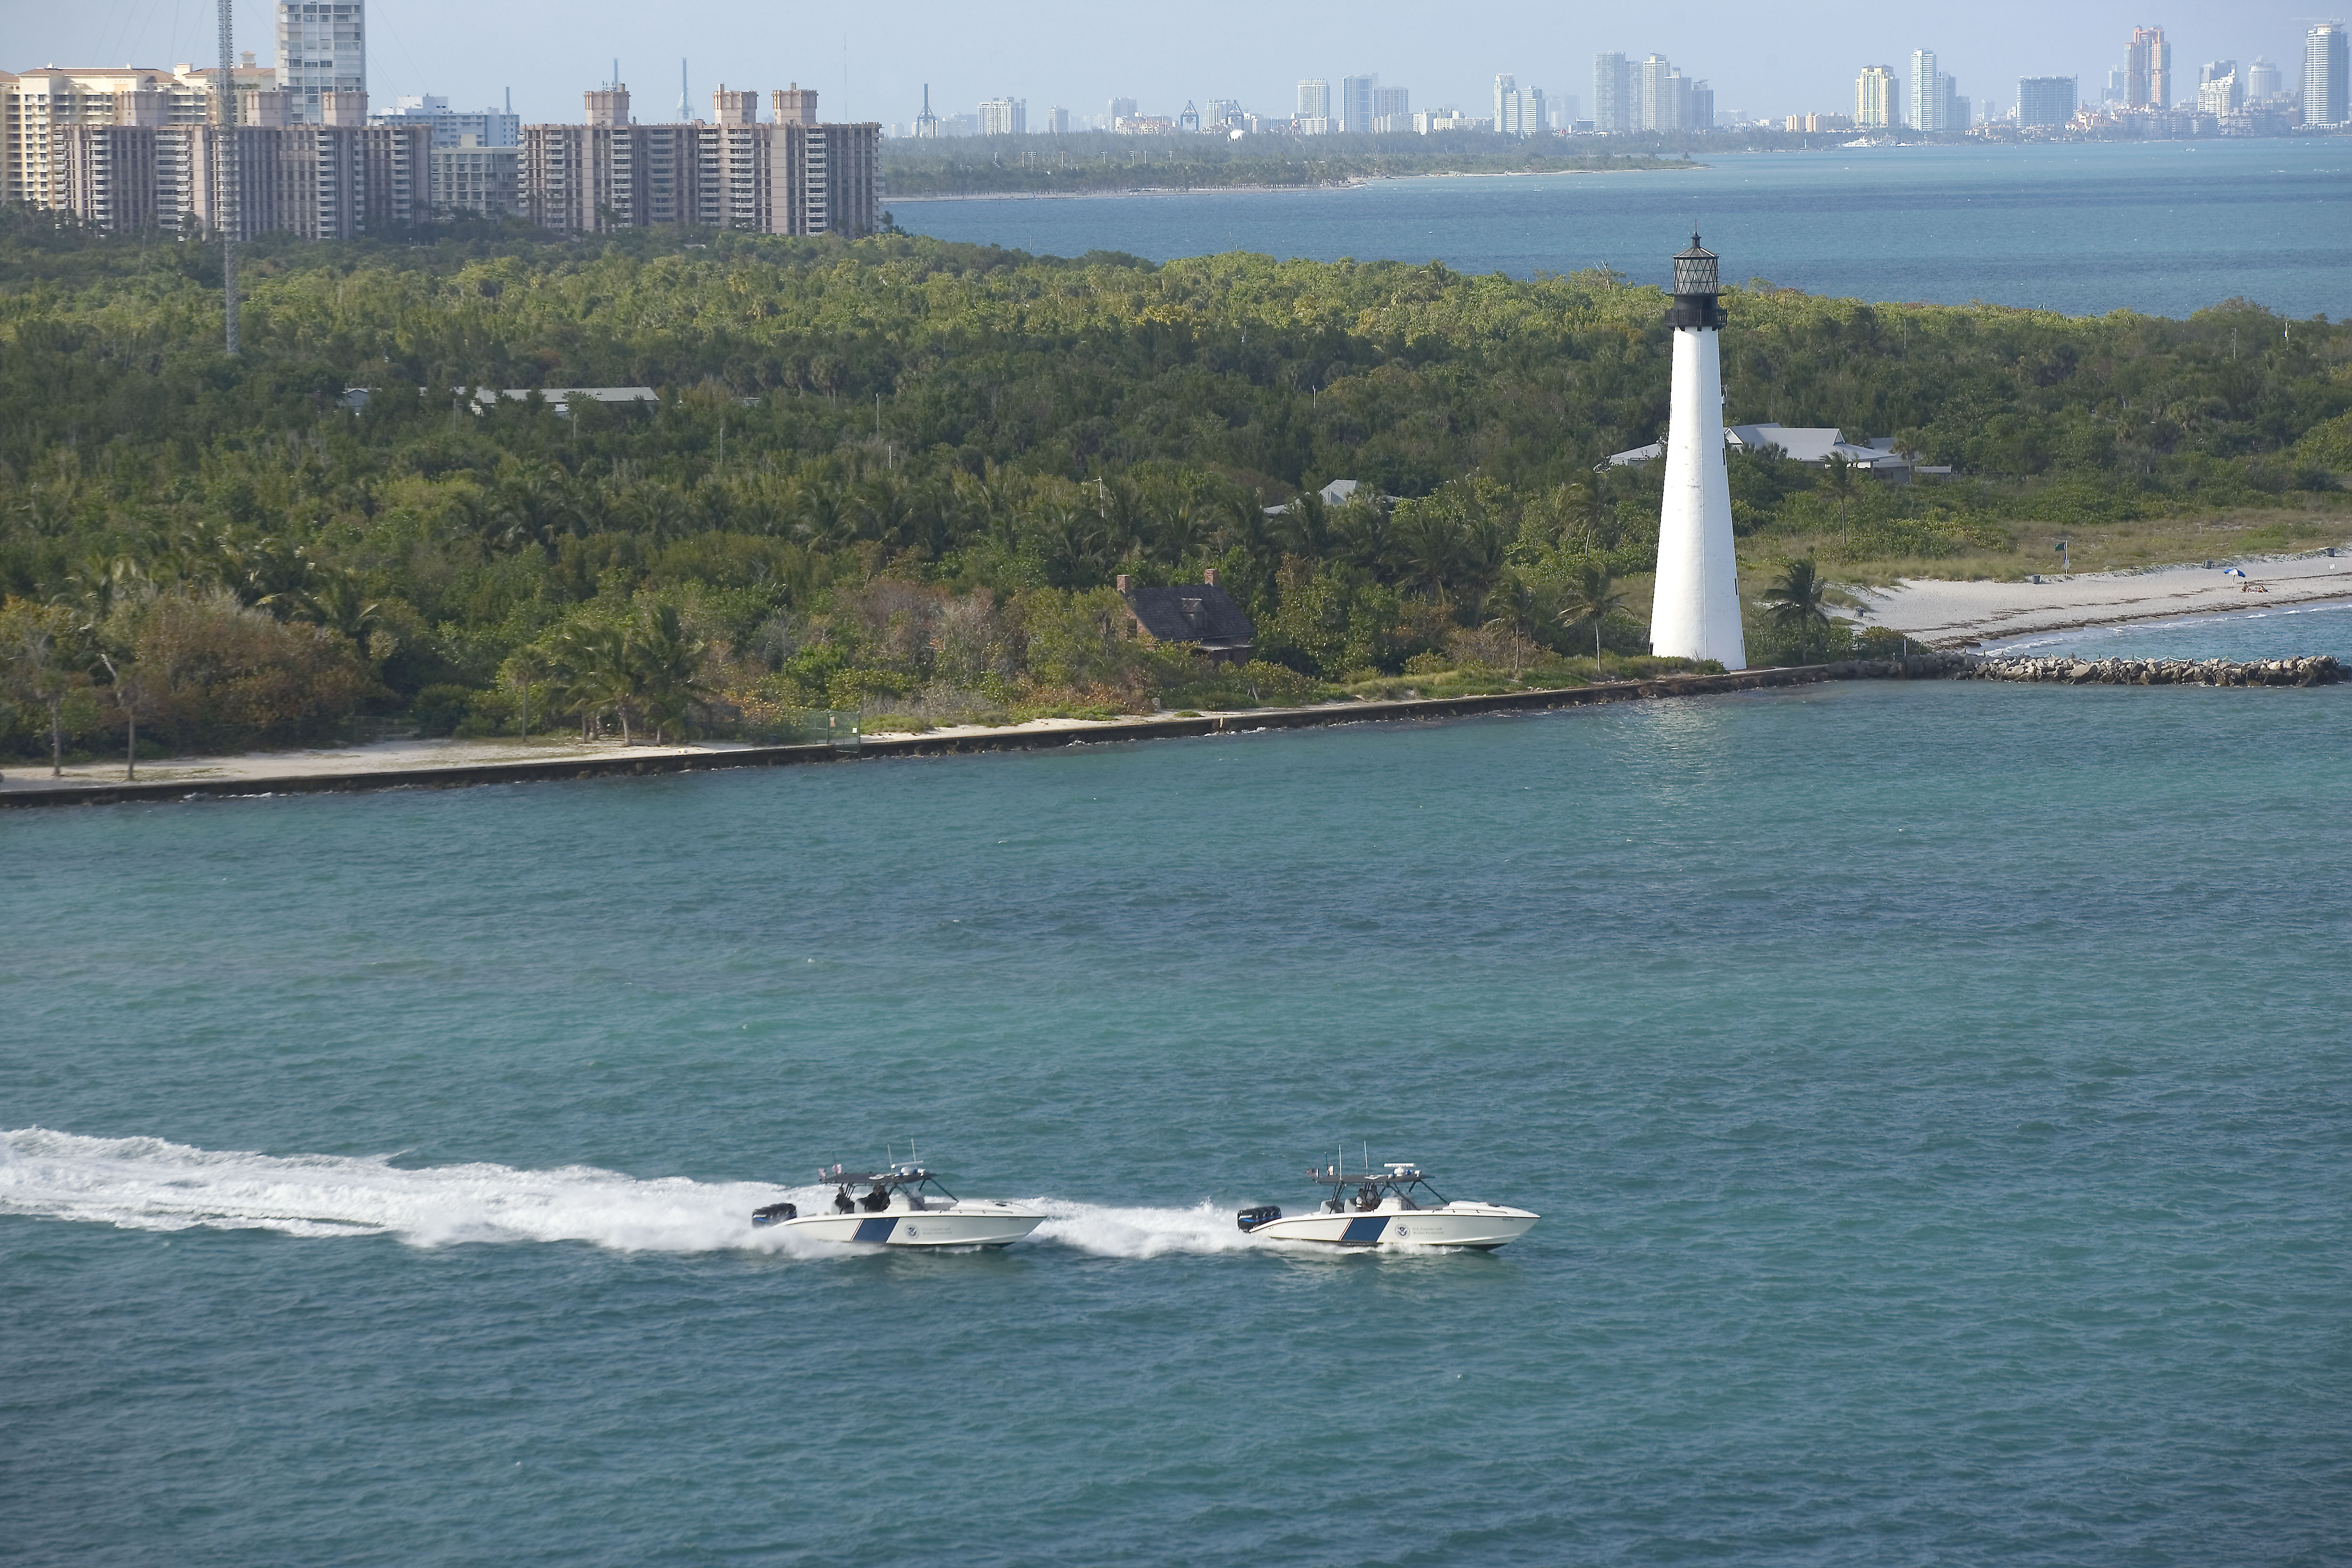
(1354, 181)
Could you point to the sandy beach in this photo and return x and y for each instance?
(1956, 614)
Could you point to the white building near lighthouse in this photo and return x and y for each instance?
(1695, 612)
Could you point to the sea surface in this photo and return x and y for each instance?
(1939, 1097)
(2161, 227)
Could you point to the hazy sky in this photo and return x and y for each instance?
(872, 64)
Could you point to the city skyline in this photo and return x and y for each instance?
(864, 66)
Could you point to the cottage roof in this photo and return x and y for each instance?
(1191, 612)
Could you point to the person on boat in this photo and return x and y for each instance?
(841, 1204)
(878, 1200)
(1367, 1198)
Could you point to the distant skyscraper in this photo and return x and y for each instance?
(1225, 111)
(1702, 107)
(2045, 100)
(2147, 70)
(2220, 89)
(1873, 98)
(1927, 97)
(2262, 82)
(1004, 117)
(1612, 94)
(1120, 109)
(1665, 96)
(1392, 108)
(1058, 120)
(1314, 98)
(2116, 79)
(2326, 76)
(1507, 93)
(1355, 102)
(321, 48)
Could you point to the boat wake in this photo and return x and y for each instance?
(149, 1184)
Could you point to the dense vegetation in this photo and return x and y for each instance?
(902, 473)
(1097, 161)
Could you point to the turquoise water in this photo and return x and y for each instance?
(2163, 227)
(1936, 1095)
(2264, 632)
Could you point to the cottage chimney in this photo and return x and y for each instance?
(1122, 582)
(1209, 576)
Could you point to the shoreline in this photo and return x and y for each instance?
(1353, 182)
(1942, 613)
(317, 772)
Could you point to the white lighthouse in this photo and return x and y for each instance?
(1695, 612)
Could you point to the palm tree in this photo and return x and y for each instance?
(1841, 482)
(665, 665)
(1590, 598)
(1802, 599)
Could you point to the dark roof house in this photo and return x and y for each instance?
(1199, 613)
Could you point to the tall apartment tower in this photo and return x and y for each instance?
(2326, 76)
(1931, 93)
(1506, 103)
(1355, 93)
(2147, 70)
(1695, 612)
(1873, 98)
(2262, 82)
(1314, 99)
(1612, 94)
(321, 48)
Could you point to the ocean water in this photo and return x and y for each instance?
(2161, 227)
(2261, 632)
(1935, 1095)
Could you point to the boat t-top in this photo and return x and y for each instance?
(1393, 1206)
(902, 1206)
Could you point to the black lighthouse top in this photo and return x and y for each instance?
(1696, 288)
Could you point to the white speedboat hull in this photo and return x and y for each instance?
(967, 1224)
(1482, 1225)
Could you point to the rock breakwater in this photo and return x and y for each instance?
(2321, 669)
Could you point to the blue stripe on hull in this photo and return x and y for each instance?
(1366, 1230)
(876, 1229)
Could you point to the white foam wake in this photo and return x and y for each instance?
(147, 1183)
(1111, 1232)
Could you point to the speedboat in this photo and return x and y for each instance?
(902, 1206)
(1395, 1206)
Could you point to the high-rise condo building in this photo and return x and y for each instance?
(1507, 93)
(2045, 100)
(321, 48)
(1004, 117)
(1702, 106)
(1926, 96)
(1612, 106)
(1356, 109)
(1058, 120)
(2326, 76)
(2263, 81)
(792, 175)
(2219, 88)
(1665, 96)
(2147, 70)
(1314, 98)
(1873, 98)
(1120, 109)
(1392, 108)
(488, 127)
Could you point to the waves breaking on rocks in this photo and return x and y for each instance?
(2319, 669)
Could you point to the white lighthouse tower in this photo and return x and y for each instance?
(1696, 613)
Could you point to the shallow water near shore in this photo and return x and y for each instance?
(1934, 1093)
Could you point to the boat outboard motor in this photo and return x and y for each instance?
(1250, 1219)
(775, 1213)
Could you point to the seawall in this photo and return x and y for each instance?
(558, 769)
(2322, 670)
